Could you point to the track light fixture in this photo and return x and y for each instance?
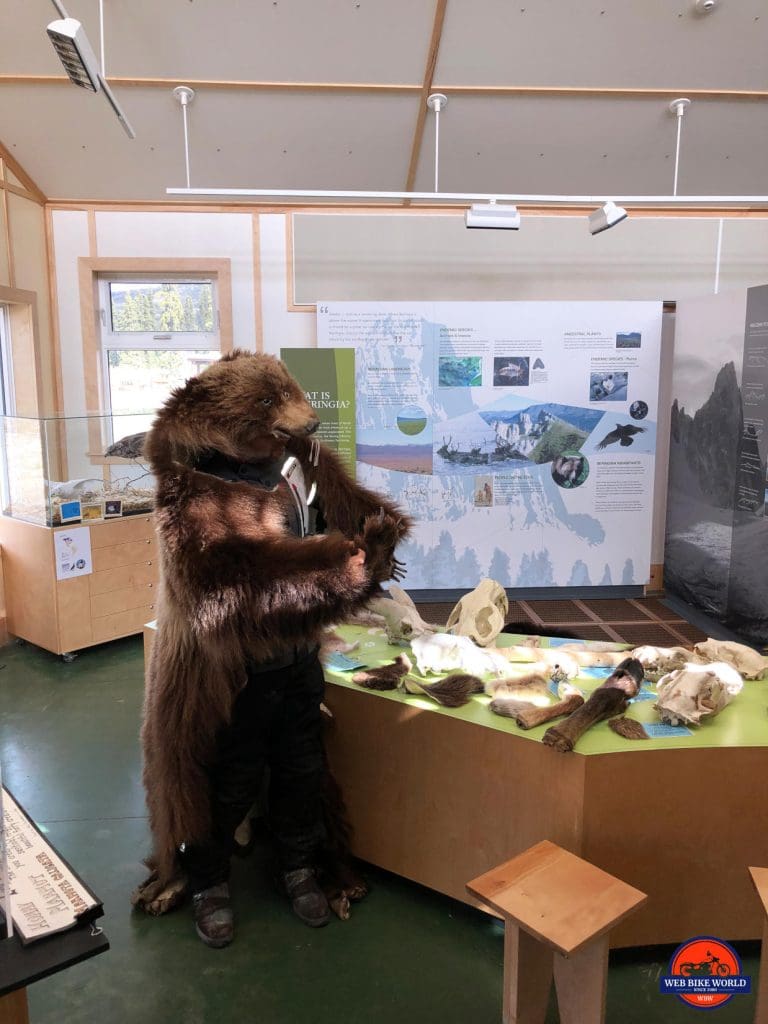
(71, 44)
(605, 217)
(76, 54)
(493, 215)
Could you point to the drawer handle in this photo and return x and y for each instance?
(149, 542)
(150, 585)
(152, 607)
(149, 563)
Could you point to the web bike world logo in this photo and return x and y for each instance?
(705, 972)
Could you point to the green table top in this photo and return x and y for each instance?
(744, 723)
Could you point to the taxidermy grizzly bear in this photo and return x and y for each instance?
(238, 586)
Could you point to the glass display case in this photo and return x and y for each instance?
(75, 469)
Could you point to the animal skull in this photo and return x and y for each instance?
(744, 659)
(658, 661)
(401, 618)
(696, 691)
(481, 614)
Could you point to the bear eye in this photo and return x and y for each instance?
(266, 401)
(286, 394)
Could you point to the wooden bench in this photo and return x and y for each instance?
(558, 910)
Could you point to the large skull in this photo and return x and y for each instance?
(696, 691)
(481, 614)
(744, 659)
(658, 661)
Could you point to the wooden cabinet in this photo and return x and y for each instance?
(114, 600)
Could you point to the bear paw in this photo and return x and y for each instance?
(381, 533)
(156, 897)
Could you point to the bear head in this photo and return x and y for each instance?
(246, 406)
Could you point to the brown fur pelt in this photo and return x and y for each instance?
(452, 691)
(384, 677)
(528, 716)
(629, 728)
(532, 688)
(236, 585)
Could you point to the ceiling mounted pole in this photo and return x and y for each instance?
(184, 96)
(436, 102)
(101, 40)
(718, 255)
(678, 108)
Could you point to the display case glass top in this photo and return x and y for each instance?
(75, 469)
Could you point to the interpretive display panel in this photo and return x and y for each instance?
(716, 554)
(521, 436)
(328, 380)
(46, 896)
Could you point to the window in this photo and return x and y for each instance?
(7, 404)
(156, 333)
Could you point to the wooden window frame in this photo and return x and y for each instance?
(91, 269)
(24, 350)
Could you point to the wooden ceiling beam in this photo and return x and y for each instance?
(234, 85)
(18, 171)
(426, 89)
(406, 88)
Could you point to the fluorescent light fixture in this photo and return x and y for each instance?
(492, 215)
(605, 217)
(71, 44)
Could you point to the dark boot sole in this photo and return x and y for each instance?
(213, 943)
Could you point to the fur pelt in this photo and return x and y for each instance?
(236, 585)
(384, 677)
(453, 691)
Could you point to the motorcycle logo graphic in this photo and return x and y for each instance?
(704, 972)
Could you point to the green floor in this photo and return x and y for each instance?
(69, 752)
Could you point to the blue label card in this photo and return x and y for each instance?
(69, 510)
(338, 662)
(643, 695)
(658, 730)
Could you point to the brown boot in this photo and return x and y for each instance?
(307, 898)
(214, 921)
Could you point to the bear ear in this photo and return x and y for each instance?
(236, 353)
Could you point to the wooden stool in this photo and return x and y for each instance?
(760, 881)
(555, 903)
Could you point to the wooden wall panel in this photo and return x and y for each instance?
(26, 221)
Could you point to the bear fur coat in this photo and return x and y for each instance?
(236, 585)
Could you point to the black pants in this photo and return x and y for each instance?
(276, 724)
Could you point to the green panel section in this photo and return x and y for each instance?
(327, 375)
(744, 723)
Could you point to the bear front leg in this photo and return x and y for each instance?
(381, 534)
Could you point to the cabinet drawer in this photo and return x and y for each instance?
(107, 627)
(123, 576)
(134, 553)
(122, 600)
(121, 531)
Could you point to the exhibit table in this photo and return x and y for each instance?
(442, 795)
(21, 965)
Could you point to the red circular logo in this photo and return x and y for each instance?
(705, 957)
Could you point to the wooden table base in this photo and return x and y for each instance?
(13, 1007)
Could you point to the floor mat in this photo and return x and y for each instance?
(636, 621)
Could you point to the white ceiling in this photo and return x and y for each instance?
(69, 141)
